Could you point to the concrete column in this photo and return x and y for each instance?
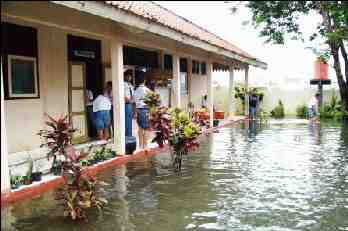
(118, 95)
(210, 91)
(231, 107)
(247, 90)
(5, 176)
(189, 79)
(176, 81)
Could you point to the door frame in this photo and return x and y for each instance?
(84, 138)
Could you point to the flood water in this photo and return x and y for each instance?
(284, 176)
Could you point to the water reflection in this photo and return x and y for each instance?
(315, 132)
(251, 177)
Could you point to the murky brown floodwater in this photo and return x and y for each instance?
(282, 177)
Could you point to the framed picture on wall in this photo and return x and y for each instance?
(22, 77)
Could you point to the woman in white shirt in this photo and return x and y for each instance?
(142, 109)
(102, 117)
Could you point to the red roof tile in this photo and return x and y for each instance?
(165, 17)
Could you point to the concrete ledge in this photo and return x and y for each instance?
(51, 182)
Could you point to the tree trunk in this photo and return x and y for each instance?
(345, 58)
(335, 46)
(341, 82)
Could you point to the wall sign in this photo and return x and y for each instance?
(85, 54)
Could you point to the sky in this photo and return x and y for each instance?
(290, 65)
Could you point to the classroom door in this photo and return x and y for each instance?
(77, 109)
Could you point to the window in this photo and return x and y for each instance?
(195, 67)
(183, 83)
(183, 65)
(22, 77)
(168, 62)
(20, 61)
(203, 68)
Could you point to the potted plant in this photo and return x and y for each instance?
(56, 168)
(27, 179)
(37, 175)
(80, 190)
(183, 136)
(16, 182)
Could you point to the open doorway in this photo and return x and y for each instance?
(85, 80)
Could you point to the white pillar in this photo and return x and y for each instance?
(189, 79)
(231, 108)
(5, 176)
(118, 96)
(210, 92)
(176, 81)
(247, 90)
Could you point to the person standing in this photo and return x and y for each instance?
(205, 102)
(102, 115)
(108, 94)
(313, 108)
(128, 98)
(89, 109)
(141, 109)
(253, 104)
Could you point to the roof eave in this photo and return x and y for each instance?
(102, 10)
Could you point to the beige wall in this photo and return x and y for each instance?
(25, 117)
(199, 88)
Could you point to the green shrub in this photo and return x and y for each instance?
(333, 110)
(278, 111)
(302, 111)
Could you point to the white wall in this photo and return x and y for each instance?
(199, 89)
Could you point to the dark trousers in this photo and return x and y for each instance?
(128, 118)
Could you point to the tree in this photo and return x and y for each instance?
(279, 19)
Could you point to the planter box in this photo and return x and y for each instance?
(219, 115)
(203, 115)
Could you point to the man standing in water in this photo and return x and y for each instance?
(313, 109)
(253, 105)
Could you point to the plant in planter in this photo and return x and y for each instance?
(37, 175)
(278, 111)
(302, 111)
(183, 136)
(56, 168)
(160, 123)
(27, 179)
(79, 192)
(152, 100)
(16, 182)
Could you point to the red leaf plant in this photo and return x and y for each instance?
(79, 192)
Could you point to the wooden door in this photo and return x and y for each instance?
(77, 97)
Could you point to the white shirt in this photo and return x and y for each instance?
(109, 96)
(139, 95)
(205, 103)
(101, 103)
(89, 96)
(313, 103)
(128, 90)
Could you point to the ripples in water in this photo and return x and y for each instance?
(284, 176)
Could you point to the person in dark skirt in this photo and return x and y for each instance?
(141, 109)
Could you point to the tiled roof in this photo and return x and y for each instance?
(156, 13)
